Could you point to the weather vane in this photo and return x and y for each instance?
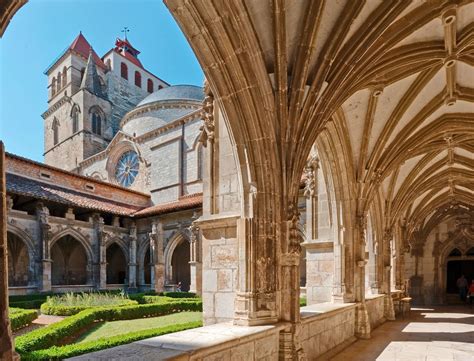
(125, 31)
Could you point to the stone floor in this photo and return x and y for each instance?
(428, 334)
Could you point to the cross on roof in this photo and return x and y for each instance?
(125, 30)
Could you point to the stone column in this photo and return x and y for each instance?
(132, 270)
(42, 214)
(362, 326)
(99, 266)
(157, 257)
(389, 311)
(195, 259)
(7, 348)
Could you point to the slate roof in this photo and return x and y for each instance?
(187, 202)
(175, 92)
(33, 188)
(91, 81)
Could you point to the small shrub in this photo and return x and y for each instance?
(32, 304)
(178, 294)
(20, 318)
(70, 303)
(302, 301)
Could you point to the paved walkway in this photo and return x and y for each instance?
(41, 321)
(428, 334)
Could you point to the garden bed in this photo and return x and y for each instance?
(41, 344)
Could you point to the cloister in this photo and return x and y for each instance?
(358, 112)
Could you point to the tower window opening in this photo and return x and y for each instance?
(96, 123)
(124, 70)
(150, 86)
(138, 79)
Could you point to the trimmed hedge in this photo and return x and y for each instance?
(20, 318)
(72, 310)
(48, 336)
(178, 294)
(63, 352)
(33, 304)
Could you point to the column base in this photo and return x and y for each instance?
(362, 326)
(290, 347)
(247, 313)
(388, 309)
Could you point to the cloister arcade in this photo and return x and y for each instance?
(370, 103)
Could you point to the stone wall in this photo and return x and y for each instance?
(319, 272)
(326, 327)
(220, 260)
(375, 310)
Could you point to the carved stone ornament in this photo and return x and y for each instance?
(208, 126)
(310, 176)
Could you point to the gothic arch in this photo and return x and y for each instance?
(71, 260)
(117, 262)
(78, 237)
(121, 243)
(173, 243)
(30, 270)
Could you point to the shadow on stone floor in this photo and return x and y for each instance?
(435, 333)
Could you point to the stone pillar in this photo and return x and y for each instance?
(195, 260)
(132, 270)
(42, 214)
(290, 347)
(389, 310)
(157, 260)
(7, 348)
(362, 326)
(99, 264)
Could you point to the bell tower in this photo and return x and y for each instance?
(76, 122)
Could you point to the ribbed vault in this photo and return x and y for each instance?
(384, 87)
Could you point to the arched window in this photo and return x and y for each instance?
(200, 161)
(149, 86)
(138, 79)
(75, 119)
(59, 81)
(83, 70)
(64, 76)
(124, 70)
(96, 123)
(55, 131)
(53, 86)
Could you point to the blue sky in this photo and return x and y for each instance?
(42, 29)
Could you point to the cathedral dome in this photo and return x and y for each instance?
(175, 92)
(162, 107)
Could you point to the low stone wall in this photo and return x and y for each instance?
(375, 309)
(72, 288)
(222, 341)
(327, 327)
(22, 290)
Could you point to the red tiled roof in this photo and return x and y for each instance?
(130, 58)
(184, 203)
(81, 46)
(29, 187)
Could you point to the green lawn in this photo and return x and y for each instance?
(113, 328)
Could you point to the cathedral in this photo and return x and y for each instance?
(113, 204)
